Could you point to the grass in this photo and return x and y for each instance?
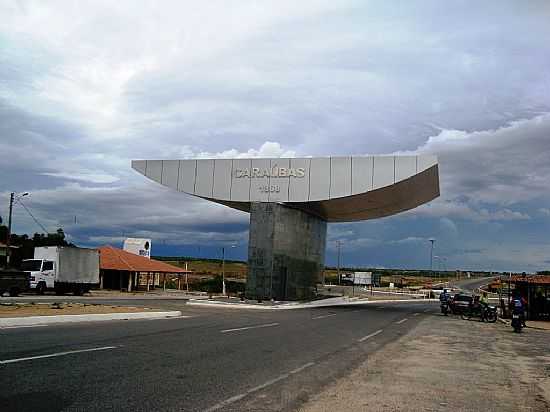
(210, 268)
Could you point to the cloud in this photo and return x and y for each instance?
(504, 166)
(268, 149)
(85, 88)
(85, 177)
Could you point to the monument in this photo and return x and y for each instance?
(291, 200)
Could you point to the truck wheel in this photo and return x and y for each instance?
(40, 288)
(78, 291)
(14, 291)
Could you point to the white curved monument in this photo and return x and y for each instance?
(290, 201)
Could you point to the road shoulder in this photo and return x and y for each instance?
(444, 364)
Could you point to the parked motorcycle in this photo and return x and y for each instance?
(490, 314)
(517, 323)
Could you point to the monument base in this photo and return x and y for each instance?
(286, 252)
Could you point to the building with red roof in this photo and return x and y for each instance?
(123, 270)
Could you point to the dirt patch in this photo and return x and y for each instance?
(448, 364)
(15, 310)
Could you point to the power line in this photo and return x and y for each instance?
(31, 215)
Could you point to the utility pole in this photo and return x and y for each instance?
(223, 268)
(432, 241)
(339, 245)
(12, 195)
(223, 271)
(186, 278)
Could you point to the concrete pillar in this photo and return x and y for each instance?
(130, 281)
(286, 252)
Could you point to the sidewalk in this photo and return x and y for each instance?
(447, 364)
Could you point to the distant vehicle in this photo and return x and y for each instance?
(460, 303)
(64, 269)
(346, 279)
(13, 282)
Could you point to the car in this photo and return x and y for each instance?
(460, 302)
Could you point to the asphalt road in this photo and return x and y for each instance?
(214, 359)
(472, 284)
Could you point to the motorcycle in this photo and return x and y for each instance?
(517, 324)
(444, 307)
(488, 314)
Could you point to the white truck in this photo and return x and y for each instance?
(64, 269)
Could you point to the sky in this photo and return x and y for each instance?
(85, 87)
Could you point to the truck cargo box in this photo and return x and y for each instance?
(73, 265)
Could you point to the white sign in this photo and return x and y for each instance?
(140, 247)
(363, 278)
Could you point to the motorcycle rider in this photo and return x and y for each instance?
(484, 303)
(444, 298)
(518, 307)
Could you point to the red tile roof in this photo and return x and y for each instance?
(537, 279)
(112, 258)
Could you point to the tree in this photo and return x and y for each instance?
(25, 245)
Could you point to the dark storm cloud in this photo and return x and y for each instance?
(85, 88)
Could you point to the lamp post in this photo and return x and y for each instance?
(339, 246)
(13, 199)
(223, 269)
(432, 241)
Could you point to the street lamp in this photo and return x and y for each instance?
(432, 241)
(339, 246)
(223, 268)
(13, 198)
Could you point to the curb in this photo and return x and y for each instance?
(46, 320)
(506, 322)
(316, 304)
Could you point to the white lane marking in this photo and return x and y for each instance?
(266, 325)
(364, 338)
(379, 307)
(264, 385)
(301, 368)
(170, 318)
(53, 355)
(401, 321)
(416, 314)
(23, 326)
(426, 310)
(324, 316)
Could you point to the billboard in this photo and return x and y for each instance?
(363, 278)
(140, 247)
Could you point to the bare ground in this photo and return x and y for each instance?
(448, 364)
(14, 310)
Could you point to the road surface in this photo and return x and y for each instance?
(213, 359)
(471, 285)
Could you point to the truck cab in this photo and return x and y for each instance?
(42, 273)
